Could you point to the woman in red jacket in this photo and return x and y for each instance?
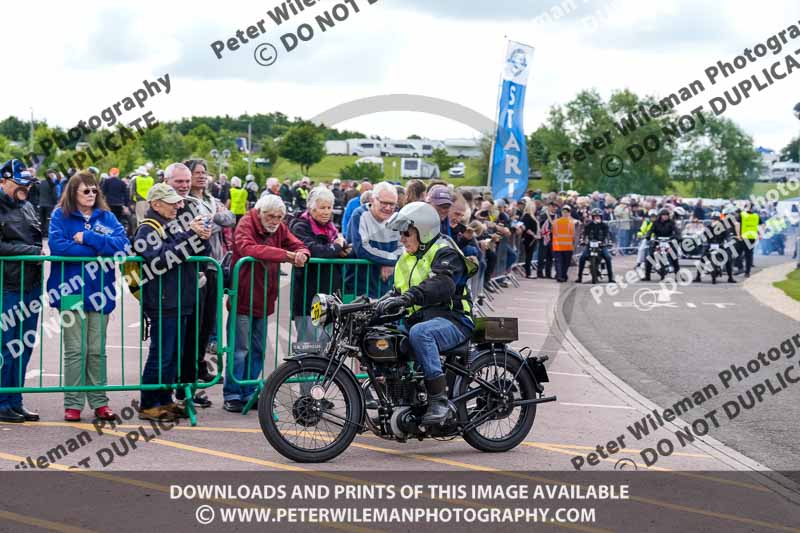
(262, 235)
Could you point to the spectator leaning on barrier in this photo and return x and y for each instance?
(189, 181)
(20, 234)
(263, 236)
(315, 228)
(563, 242)
(83, 226)
(169, 297)
(373, 241)
(351, 207)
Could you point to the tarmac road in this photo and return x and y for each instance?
(668, 344)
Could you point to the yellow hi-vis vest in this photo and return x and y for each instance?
(646, 225)
(411, 270)
(238, 201)
(143, 186)
(750, 223)
(304, 193)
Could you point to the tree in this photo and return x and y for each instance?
(791, 152)
(718, 159)
(302, 145)
(415, 136)
(443, 159)
(363, 171)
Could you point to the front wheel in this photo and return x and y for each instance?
(303, 421)
(595, 271)
(503, 426)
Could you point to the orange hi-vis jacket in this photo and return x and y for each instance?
(564, 234)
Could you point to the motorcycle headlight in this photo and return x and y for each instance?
(320, 310)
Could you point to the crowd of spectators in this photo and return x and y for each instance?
(183, 212)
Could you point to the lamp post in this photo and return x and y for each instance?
(220, 158)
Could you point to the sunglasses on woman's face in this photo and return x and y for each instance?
(87, 192)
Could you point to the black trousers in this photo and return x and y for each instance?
(749, 246)
(648, 264)
(44, 217)
(491, 264)
(530, 247)
(198, 330)
(563, 260)
(545, 266)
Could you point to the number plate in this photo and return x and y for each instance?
(714, 246)
(594, 245)
(316, 311)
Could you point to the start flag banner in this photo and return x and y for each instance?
(509, 170)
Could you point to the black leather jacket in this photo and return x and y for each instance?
(595, 232)
(20, 234)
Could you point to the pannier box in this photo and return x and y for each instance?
(495, 329)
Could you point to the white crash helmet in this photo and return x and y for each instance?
(418, 215)
(679, 211)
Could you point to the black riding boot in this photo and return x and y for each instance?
(438, 406)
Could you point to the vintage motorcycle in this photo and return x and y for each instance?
(313, 405)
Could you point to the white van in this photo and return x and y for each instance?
(400, 149)
(784, 170)
(462, 148)
(417, 168)
(424, 147)
(364, 147)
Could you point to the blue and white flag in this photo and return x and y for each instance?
(509, 170)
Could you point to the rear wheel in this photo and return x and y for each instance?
(504, 425)
(301, 420)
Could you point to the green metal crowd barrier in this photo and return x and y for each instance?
(48, 325)
(342, 275)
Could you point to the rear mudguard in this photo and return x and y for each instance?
(306, 357)
(530, 364)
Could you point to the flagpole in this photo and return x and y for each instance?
(497, 116)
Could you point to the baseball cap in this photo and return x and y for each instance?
(439, 195)
(13, 169)
(165, 193)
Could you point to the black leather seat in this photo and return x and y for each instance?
(459, 353)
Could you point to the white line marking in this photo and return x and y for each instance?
(596, 405)
(568, 374)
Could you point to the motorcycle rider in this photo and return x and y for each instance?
(643, 244)
(596, 230)
(720, 234)
(431, 285)
(664, 226)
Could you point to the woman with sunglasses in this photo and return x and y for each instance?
(83, 226)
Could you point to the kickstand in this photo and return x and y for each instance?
(253, 399)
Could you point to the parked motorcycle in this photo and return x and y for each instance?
(313, 406)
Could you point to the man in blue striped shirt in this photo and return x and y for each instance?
(373, 241)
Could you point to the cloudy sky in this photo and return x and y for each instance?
(69, 61)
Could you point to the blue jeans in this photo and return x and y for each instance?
(429, 339)
(167, 364)
(246, 365)
(15, 357)
(585, 256)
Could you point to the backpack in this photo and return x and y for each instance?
(131, 270)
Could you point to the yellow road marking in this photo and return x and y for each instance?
(165, 489)
(632, 450)
(44, 524)
(724, 481)
(650, 501)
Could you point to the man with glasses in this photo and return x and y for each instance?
(373, 241)
(20, 234)
(199, 202)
